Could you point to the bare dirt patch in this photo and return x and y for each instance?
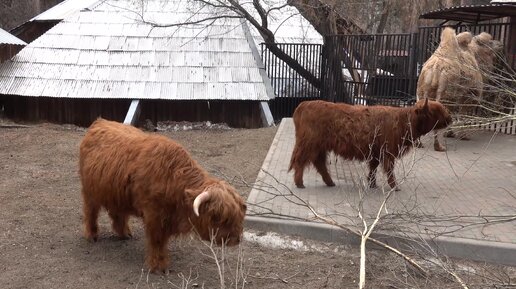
(41, 244)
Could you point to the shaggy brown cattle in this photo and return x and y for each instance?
(131, 173)
(377, 134)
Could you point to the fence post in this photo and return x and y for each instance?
(332, 89)
(323, 91)
(322, 71)
(413, 52)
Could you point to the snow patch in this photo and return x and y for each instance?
(185, 125)
(276, 241)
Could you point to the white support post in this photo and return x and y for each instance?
(133, 113)
(266, 114)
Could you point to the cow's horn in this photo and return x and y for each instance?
(425, 106)
(202, 197)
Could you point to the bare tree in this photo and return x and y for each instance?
(386, 9)
(401, 17)
(328, 21)
(324, 18)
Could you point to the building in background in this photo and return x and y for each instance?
(16, 12)
(9, 45)
(102, 58)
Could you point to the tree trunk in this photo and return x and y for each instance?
(383, 18)
(328, 22)
(325, 19)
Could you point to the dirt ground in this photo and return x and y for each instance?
(41, 243)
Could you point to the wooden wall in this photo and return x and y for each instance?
(7, 51)
(14, 13)
(236, 113)
(30, 31)
(80, 112)
(83, 112)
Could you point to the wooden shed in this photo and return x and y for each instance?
(100, 59)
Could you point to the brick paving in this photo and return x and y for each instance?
(468, 192)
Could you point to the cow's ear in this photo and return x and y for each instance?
(191, 193)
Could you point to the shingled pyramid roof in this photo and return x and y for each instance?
(109, 51)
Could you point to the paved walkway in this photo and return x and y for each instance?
(468, 192)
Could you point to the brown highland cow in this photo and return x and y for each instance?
(377, 134)
(131, 173)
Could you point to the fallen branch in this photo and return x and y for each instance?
(375, 241)
(407, 258)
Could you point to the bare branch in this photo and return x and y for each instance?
(329, 221)
(262, 13)
(207, 19)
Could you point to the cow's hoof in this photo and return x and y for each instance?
(439, 148)
(330, 184)
(300, 186)
(92, 238)
(123, 233)
(126, 237)
(159, 271)
(158, 267)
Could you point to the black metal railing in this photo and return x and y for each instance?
(362, 69)
(370, 69)
(289, 87)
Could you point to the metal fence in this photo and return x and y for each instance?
(372, 69)
(289, 87)
(369, 69)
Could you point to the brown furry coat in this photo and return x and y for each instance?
(377, 134)
(129, 172)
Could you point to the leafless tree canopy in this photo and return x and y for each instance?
(328, 17)
(393, 16)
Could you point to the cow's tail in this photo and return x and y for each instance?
(296, 118)
(294, 157)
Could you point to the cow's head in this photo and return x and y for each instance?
(431, 115)
(219, 214)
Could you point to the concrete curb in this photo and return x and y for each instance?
(477, 250)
